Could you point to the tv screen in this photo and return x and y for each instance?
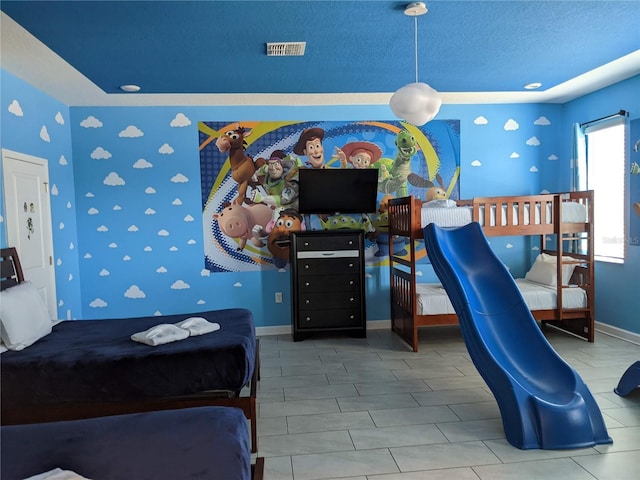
(337, 190)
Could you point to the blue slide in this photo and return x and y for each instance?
(543, 401)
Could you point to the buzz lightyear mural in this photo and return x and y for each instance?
(249, 180)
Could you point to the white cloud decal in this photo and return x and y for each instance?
(542, 121)
(100, 154)
(237, 284)
(157, 313)
(142, 163)
(59, 262)
(161, 270)
(180, 285)
(117, 207)
(104, 272)
(113, 180)
(87, 255)
(166, 149)
(59, 118)
(481, 120)
(54, 190)
(44, 134)
(476, 163)
(98, 303)
(93, 211)
(150, 190)
(89, 195)
(91, 122)
(113, 245)
(102, 228)
(149, 211)
(511, 125)
(61, 226)
(509, 245)
(177, 201)
(191, 242)
(205, 273)
(133, 228)
(180, 120)
(173, 249)
(68, 203)
(71, 246)
(62, 161)
(533, 141)
(553, 157)
(514, 155)
(179, 178)
(163, 233)
(188, 218)
(126, 258)
(201, 302)
(533, 169)
(148, 249)
(131, 132)
(15, 109)
(134, 292)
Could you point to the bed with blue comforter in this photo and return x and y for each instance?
(198, 443)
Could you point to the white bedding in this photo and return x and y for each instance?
(572, 212)
(432, 298)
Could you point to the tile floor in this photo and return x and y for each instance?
(336, 407)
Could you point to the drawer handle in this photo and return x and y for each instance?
(350, 282)
(308, 319)
(307, 301)
(350, 265)
(352, 317)
(306, 284)
(352, 299)
(306, 267)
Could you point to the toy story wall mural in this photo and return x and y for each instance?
(249, 181)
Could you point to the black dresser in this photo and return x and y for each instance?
(328, 290)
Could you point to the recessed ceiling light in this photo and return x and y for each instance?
(532, 86)
(130, 88)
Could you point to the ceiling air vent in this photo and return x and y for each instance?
(286, 49)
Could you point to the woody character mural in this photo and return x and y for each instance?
(249, 180)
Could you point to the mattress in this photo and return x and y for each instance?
(206, 442)
(432, 298)
(96, 361)
(572, 212)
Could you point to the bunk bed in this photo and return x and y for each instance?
(83, 369)
(564, 223)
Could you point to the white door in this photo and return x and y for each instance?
(28, 222)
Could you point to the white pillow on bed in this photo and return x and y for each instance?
(57, 474)
(542, 272)
(23, 316)
(440, 203)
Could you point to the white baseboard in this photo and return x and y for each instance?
(286, 329)
(618, 333)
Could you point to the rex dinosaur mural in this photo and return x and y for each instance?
(249, 181)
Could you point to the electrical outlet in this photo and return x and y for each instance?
(278, 297)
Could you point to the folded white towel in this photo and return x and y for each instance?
(198, 326)
(57, 474)
(163, 333)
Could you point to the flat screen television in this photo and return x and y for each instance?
(337, 190)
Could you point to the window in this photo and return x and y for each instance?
(605, 174)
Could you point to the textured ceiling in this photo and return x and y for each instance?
(218, 47)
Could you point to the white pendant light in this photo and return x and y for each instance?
(417, 103)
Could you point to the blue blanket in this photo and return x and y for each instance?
(96, 361)
(197, 443)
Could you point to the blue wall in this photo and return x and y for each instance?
(506, 149)
(617, 299)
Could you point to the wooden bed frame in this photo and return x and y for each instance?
(11, 274)
(405, 225)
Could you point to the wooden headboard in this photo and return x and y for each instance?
(10, 268)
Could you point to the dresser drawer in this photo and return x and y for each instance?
(327, 242)
(334, 318)
(324, 300)
(328, 283)
(332, 266)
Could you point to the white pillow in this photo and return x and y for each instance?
(542, 272)
(23, 316)
(567, 268)
(440, 203)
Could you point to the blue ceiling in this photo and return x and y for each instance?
(352, 46)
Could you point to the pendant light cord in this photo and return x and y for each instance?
(415, 40)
